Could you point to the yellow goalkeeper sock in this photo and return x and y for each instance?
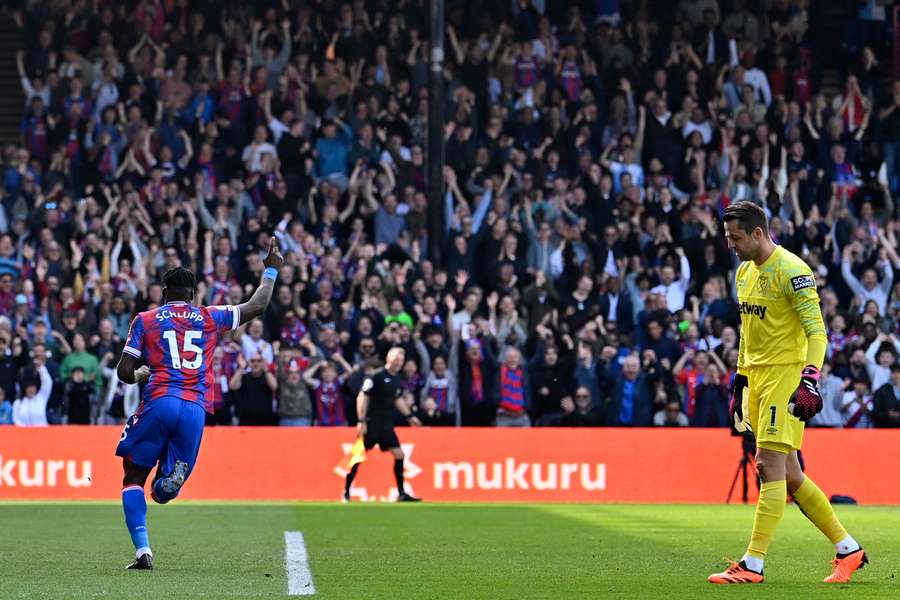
(814, 504)
(769, 509)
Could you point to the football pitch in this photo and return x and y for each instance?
(428, 551)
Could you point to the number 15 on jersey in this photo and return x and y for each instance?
(178, 362)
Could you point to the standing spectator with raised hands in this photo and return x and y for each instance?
(254, 387)
(34, 87)
(881, 354)
(673, 289)
(868, 287)
(31, 408)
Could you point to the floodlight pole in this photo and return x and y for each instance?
(436, 231)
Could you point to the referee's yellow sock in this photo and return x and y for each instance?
(769, 510)
(814, 504)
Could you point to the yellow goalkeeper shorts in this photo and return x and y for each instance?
(769, 390)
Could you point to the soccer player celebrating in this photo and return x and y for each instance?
(374, 407)
(782, 347)
(176, 342)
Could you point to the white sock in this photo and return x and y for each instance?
(847, 545)
(753, 563)
(142, 551)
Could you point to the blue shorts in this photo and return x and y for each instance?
(164, 430)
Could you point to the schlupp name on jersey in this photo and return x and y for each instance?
(185, 314)
(757, 310)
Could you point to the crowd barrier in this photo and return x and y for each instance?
(453, 465)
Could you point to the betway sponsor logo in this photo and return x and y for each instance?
(512, 475)
(754, 309)
(40, 473)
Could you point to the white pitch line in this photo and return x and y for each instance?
(296, 562)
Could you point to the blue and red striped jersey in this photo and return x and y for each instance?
(177, 341)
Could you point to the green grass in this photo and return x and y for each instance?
(428, 551)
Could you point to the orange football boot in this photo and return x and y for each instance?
(736, 573)
(843, 566)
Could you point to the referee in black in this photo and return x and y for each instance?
(374, 407)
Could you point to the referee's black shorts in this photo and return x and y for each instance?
(384, 437)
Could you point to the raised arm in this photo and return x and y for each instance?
(257, 303)
(220, 72)
(457, 50)
(492, 51)
(807, 120)
(347, 367)
(46, 384)
(309, 375)
(371, 205)
(889, 248)
(641, 125)
(351, 206)
(23, 75)
(188, 150)
(484, 205)
(849, 278)
(685, 279)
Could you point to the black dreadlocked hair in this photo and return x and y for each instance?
(178, 280)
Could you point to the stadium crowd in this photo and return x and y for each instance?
(590, 149)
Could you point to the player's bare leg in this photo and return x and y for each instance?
(134, 504)
(814, 504)
(399, 457)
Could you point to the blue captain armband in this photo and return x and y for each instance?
(270, 273)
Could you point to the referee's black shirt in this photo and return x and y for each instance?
(383, 389)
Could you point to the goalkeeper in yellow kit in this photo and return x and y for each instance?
(782, 348)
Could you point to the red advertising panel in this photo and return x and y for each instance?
(460, 465)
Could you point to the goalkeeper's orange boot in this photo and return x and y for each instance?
(844, 565)
(736, 573)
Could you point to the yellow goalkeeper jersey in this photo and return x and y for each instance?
(779, 307)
